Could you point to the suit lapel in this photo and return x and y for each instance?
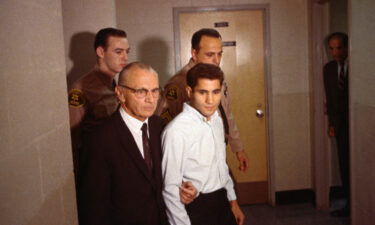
(155, 145)
(129, 145)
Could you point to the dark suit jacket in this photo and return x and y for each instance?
(116, 188)
(337, 99)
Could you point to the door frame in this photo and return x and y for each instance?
(268, 81)
(321, 152)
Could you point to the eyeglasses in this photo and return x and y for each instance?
(142, 92)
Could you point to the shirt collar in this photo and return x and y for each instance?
(133, 123)
(345, 63)
(192, 111)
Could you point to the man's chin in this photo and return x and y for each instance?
(208, 114)
(148, 113)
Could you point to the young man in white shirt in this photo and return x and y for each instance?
(194, 150)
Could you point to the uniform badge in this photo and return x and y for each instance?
(172, 92)
(76, 98)
(166, 116)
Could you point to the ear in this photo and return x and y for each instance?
(194, 54)
(189, 91)
(100, 51)
(120, 95)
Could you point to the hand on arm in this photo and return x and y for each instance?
(237, 212)
(242, 159)
(187, 192)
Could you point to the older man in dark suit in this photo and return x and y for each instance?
(121, 180)
(337, 91)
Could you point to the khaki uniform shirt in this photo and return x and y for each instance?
(174, 95)
(92, 99)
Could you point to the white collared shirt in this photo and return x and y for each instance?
(345, 68)
(134, 126)
(193, 150)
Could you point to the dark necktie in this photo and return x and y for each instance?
(225, 121)
(146, 147)
(342, 76)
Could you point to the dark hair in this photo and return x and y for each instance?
(338, 35)
(204, 70)
(197, 36)
(101, 38)
(125, 71)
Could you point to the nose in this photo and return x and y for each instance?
(209, 98)
(149, 98)
(126, 56)
(216, 60)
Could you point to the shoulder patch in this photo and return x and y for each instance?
(166, 116)
(173, 92)
(76, 98)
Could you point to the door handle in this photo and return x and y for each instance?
(259, 113)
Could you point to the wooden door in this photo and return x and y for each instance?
(243, 63)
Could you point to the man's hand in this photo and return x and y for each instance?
(331, 131)
(187, 192)
(242, 158)
(237, 212)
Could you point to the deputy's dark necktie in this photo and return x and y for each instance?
(225, 122)
(342, 76)
(146, 147)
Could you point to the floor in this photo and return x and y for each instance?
(291, 214)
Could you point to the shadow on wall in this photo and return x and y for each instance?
(154, 51)
(82, 54)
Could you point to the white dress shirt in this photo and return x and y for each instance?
(339, 68)
(194, 150)
(134, 126)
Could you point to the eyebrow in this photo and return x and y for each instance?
(215, 52)
(205, 90)
(123, 49)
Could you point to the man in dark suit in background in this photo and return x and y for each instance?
(336, 87)
(121, 180)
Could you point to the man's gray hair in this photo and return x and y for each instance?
(139, 65)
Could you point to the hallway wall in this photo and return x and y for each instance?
(362, 110)
(36, 171)
(81, 20)
(338, 10)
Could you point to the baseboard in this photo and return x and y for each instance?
(336, 192)
(295, 196)
(252, 192)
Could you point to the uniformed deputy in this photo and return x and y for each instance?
(92, 98)
(206, 48)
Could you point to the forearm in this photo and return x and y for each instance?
(229, 187)
(176, 211)
(234, 134)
